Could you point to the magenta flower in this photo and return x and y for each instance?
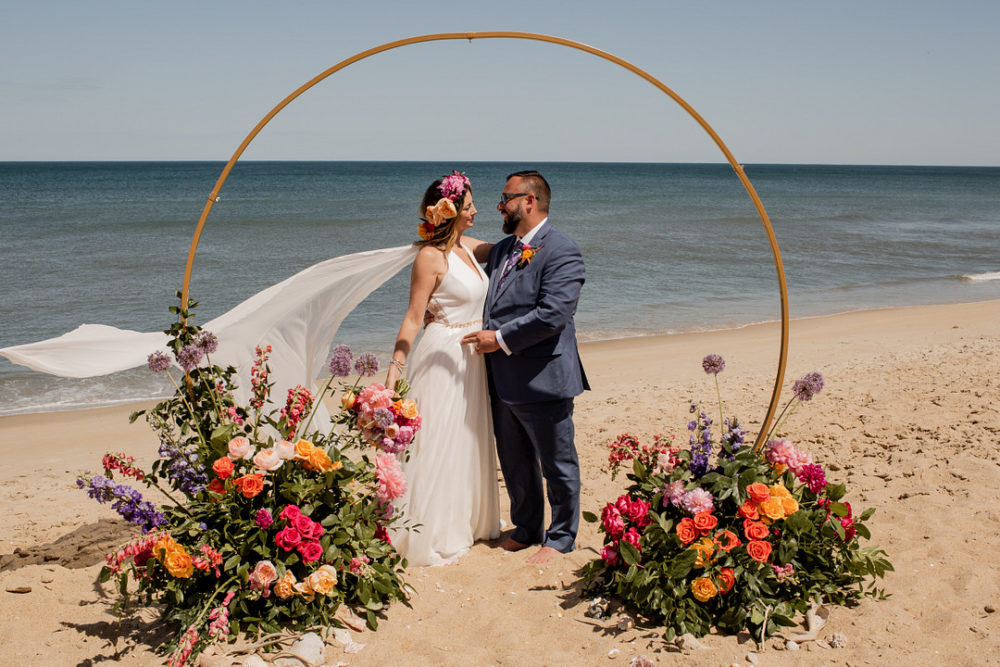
(263, 519)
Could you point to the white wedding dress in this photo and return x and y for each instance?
(452, 498)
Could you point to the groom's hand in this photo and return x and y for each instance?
(484, 341)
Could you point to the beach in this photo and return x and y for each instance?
(908, 419)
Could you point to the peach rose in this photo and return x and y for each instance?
(703, 589)
(268, 460)
(443, 210)
(240, 448)
(705, 548)
(323, 580)
(408, 408)
(262, 576)
(779, 491)
(223, 467)
(285, 587)
(165, 545)
(759, 550)
(705, 522)
(687, 531)
(178, 563)
(347, 400)
(305, 590)
(250, 485)
(285, 449)
(758, 492)
(727, 579)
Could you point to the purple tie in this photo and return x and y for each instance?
(515, 254)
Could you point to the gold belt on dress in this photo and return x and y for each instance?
(461, 325)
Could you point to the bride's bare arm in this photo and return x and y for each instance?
(429, 268)
(480, 249)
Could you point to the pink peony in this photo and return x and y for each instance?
(391, 481)
(697, 501)
(673, 493)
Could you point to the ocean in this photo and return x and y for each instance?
(669, 248)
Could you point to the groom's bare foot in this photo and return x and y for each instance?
(544, 555)
(510, 544)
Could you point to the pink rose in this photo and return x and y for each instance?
(612, 520)
(610, 554)
(287, 538)
(637, 511)
(290, 513)
(240, 448)
(262, 576)
(267, 460)
(405, 435)
(632, 537)
(307, 528)
(310, 551)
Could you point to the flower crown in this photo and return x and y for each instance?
(452, 187)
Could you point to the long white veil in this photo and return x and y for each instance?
(298, 317)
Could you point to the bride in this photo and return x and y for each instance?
(452, 498)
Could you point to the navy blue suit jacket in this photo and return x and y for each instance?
(533, 310)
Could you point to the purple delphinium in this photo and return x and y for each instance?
(367, 364)
(340, 362)
(189, 356)
(158, 361)
(701, 444)
(814, 476)
(207, 341)
(125, 500)
(808, 386)
(732, 436)
(182, 467)
(713, 364)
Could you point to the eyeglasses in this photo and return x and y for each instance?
(507, 196)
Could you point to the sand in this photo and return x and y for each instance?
(908, 419)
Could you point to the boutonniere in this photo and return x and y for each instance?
(527, 254)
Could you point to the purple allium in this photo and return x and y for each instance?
(814, 476)
(808, 386)
(713, 364)
(158, 361)
(340, 362)
(366, 365)
(189, 356)
(207, 341)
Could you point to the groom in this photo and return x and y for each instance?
(533, 365)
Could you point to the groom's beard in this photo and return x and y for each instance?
(512, 220)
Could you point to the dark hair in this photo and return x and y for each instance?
(536, 184)
(444, 234)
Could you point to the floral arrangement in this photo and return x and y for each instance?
(269, 524)
(527, 253)
(452, 187)
(720, 534)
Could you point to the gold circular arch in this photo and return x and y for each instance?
(503, 34)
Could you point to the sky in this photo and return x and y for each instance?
(872, 82)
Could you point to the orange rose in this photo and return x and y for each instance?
(779, 491)
(758, 492)
(703, 589)
(347, 400)
(178, 563)
(217, 486)
(303, 448)
(250, 485)
(705, 548)
(748, 510)
(727, 540)
(223, 467)
(705, 522)
(772, 509)
(727, 579)
(165, 545)
(284, 588)
(687, 531)
(408, 409)
(759, 550)
(755, 530)
(318, 461)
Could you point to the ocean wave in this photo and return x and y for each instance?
(981, 277)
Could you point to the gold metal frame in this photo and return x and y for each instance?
(782, 357)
